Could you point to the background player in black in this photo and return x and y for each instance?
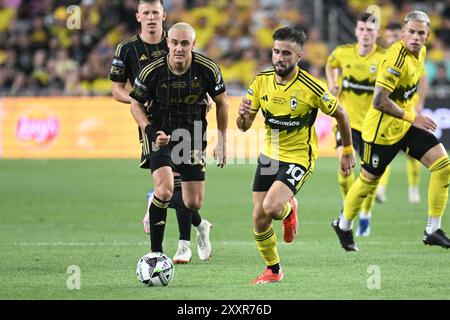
(130, 57)
(177, 86)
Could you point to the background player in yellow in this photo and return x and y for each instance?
(393, 33)
(351, 71)
(289, 99)
(391, 125)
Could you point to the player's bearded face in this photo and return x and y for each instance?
(285, 56)
(415, 34)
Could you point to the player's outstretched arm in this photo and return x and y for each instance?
(220, 152)
(383, 103)
(347, 162)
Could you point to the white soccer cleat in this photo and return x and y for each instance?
(203, 242)
(414, 195)
(184, 253)
(146, 220)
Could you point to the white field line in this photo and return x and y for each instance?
(220, 243)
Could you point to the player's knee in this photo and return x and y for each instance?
(193, 204)
(260, 220)
(164, 193)
(272, 208)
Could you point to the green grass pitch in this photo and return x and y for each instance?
(87, 213)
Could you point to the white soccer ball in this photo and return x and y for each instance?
(155, 269)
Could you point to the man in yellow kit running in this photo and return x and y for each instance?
(289, 99)
(357, 63)
(393, 33)
(391, 125)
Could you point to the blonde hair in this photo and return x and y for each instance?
(417, 15)
(183, 26)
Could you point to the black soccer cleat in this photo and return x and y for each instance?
(437, 238)
(345, 237)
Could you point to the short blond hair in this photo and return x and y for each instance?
(417, 15)
(183, 26)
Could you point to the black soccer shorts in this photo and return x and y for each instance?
(190, 169)
(269, 170)
(415, 143)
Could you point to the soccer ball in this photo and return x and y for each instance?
(155, 269)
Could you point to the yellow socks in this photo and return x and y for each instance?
(345, 182)
(438, 186)
(358, 193)
(413, 171)
(267, 245)
(287, 209)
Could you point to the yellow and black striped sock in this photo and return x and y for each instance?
(267, 245)
(286, 211)
(345, 183)
(438, 186)
(157, 215)
(360, 190)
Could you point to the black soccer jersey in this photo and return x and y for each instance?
(178, 101)
(132, 55)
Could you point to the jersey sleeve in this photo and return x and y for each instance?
(323, 99)
(141, 85)
(217, 85)
(333, 59)
(253, 93)
(119, 70)
(391, 68)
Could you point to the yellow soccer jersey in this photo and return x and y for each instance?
(290, 111)
(400, 73)
(358, 75)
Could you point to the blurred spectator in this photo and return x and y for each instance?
(316, 51)
(441, 78)
(39, 55)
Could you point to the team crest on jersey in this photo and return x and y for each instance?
(196, 83)
(294, 102)
(373, 68)
(375, 161)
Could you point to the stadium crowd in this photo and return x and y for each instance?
(40, 55)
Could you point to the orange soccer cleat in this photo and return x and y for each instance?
(268, 276)
(290, 224)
